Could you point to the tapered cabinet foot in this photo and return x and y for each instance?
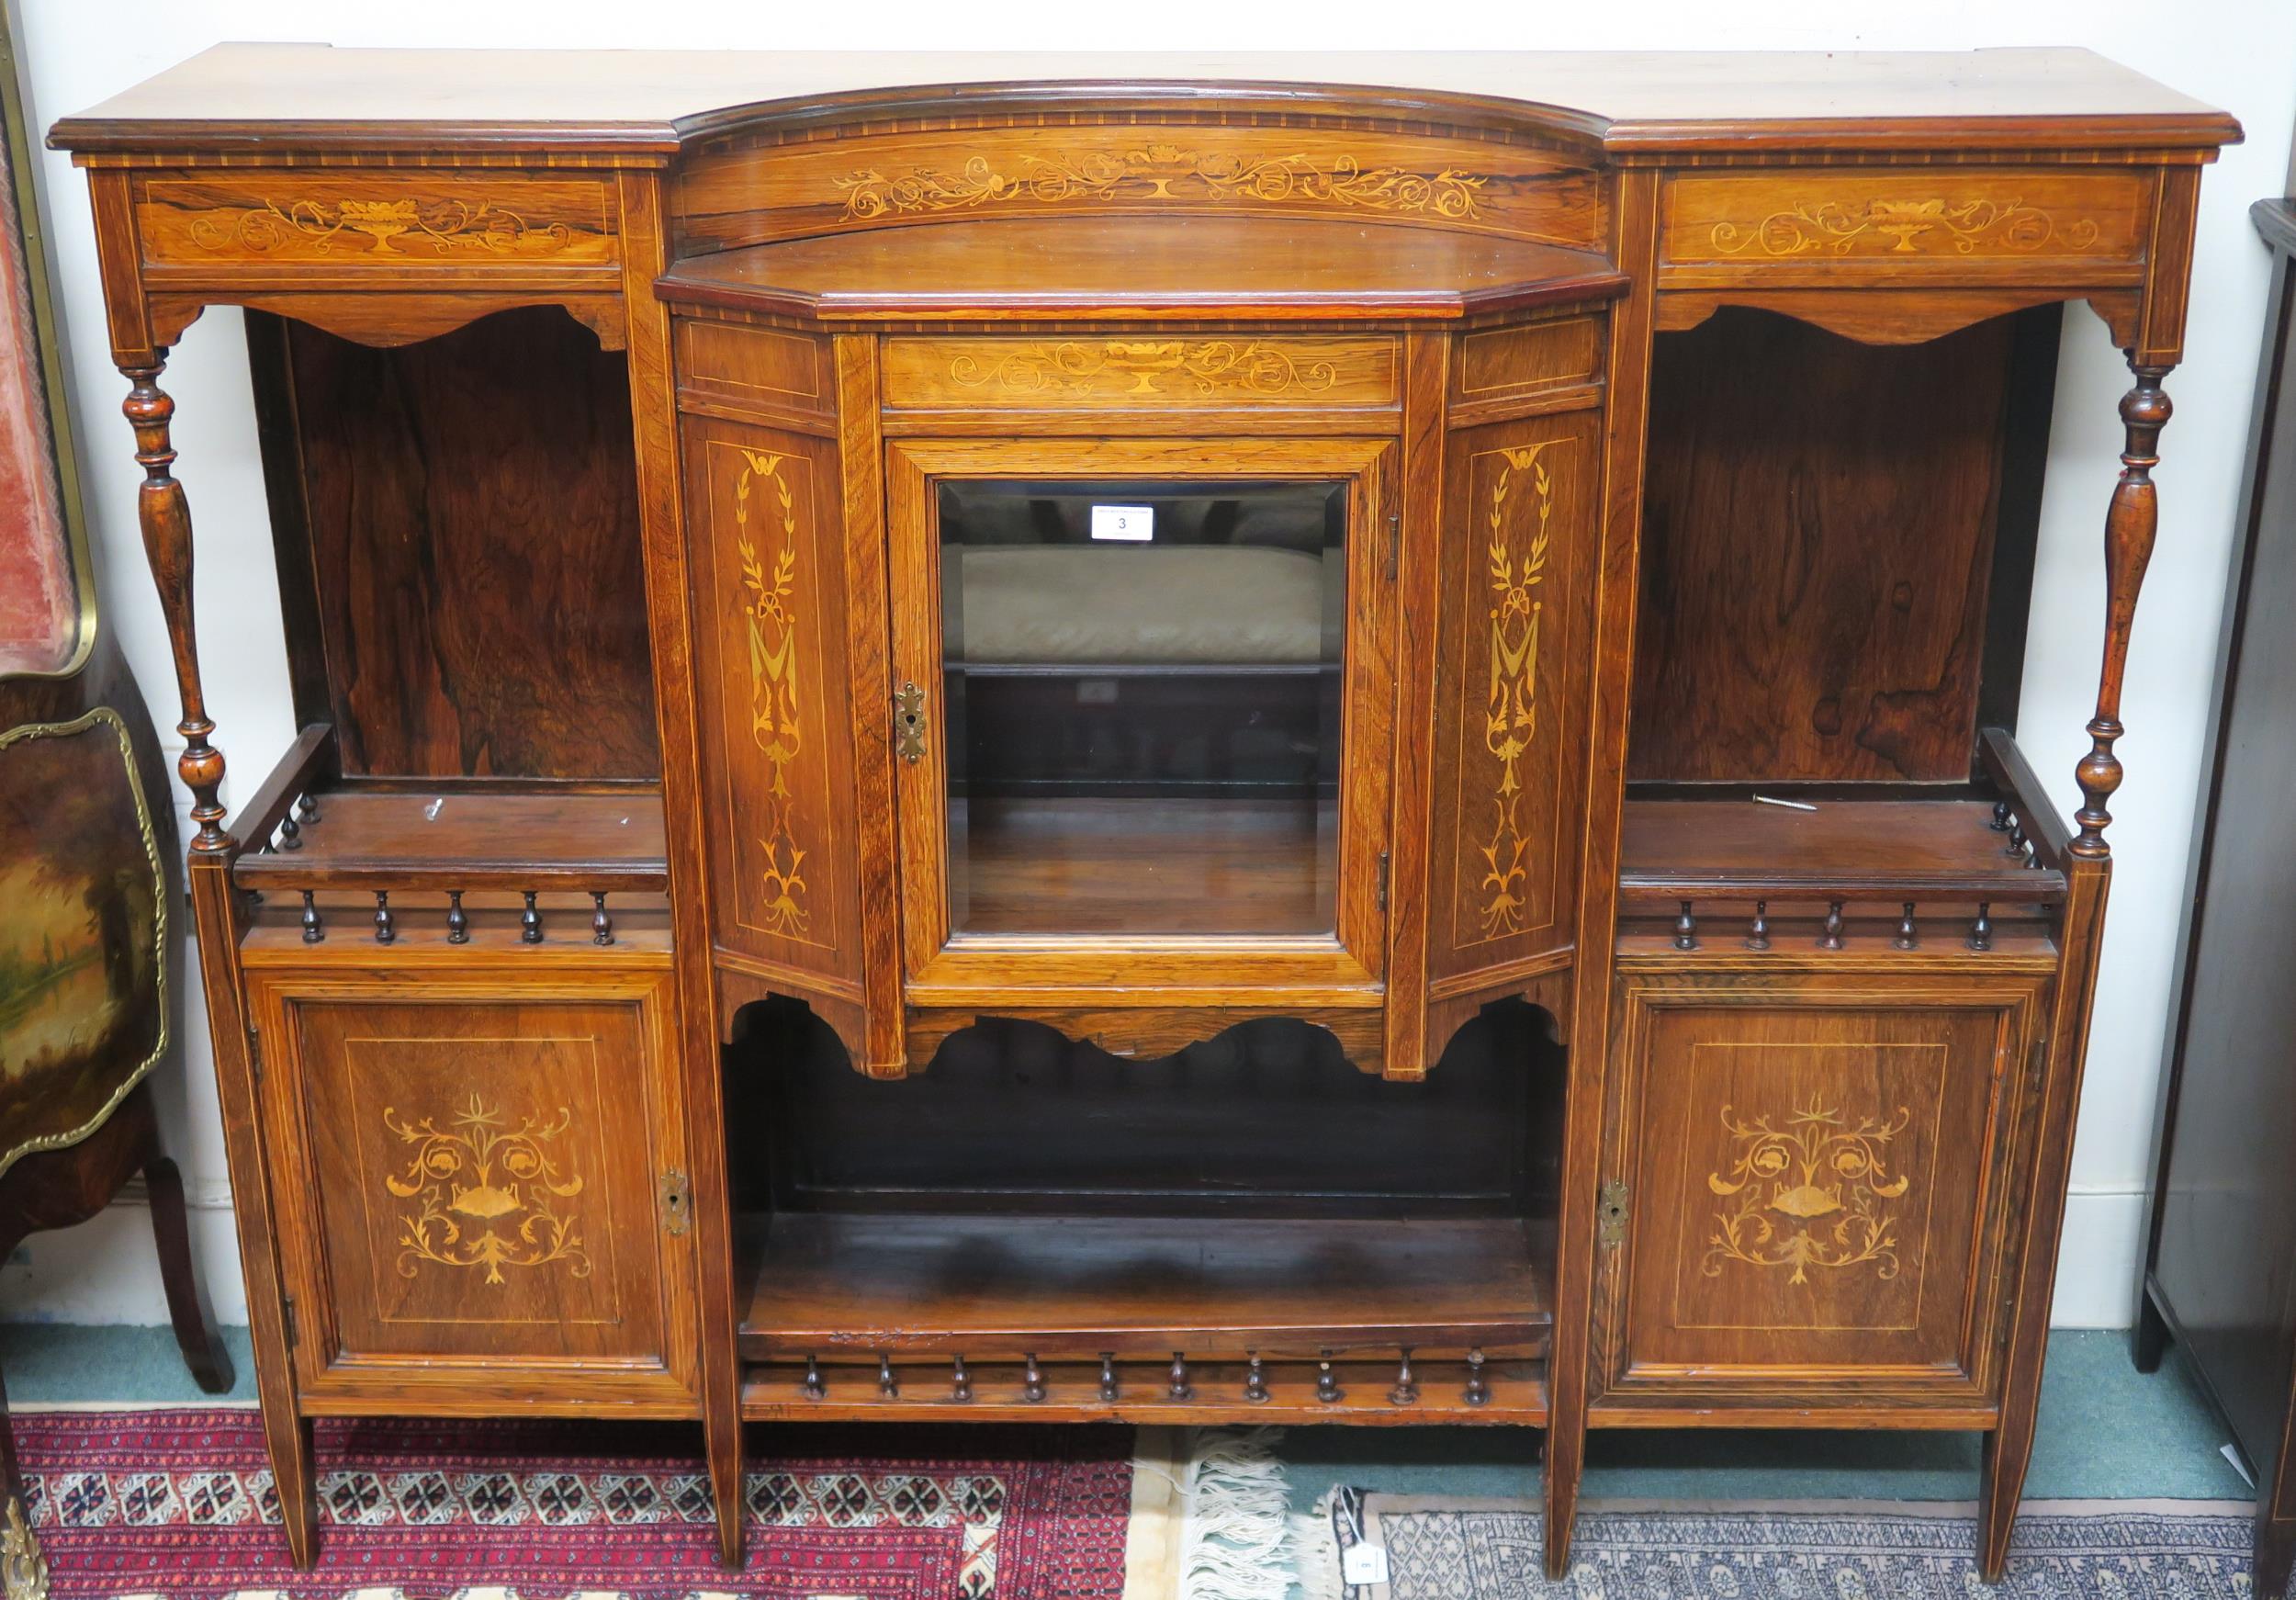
(2001, 1486)
(295, 1474)
(725, 1453)
(1565, 1456)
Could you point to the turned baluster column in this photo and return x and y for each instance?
(2130, 525)
(165, 517)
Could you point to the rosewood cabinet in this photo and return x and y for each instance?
(1176, 749)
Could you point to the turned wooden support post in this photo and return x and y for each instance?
(2130, 526)
(165, 517)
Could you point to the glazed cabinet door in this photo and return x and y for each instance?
(1809, 1178)
(479, 1178)
(1143, 696)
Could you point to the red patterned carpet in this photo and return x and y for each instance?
(180, 1503)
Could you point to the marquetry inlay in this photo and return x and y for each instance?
(1908, 227)
(1519, 524)
(770, 622)
(1205, 366)
(440, 226)
(1808, 1193)
(1163, 172)
(487, 1196)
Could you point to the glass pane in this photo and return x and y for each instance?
(1142, 692)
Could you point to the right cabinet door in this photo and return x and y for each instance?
(1818, 1172)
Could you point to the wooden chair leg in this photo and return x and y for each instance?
(187, 1304)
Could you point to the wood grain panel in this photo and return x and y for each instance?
(1817, 1170)
(1856, 225)
(766, 554)
(313, 224)
(1498, 365)
(761, 368)
(732, 197)
(1818, 527)
(472, 508)
(469, 1176)
(1517, 606)
(1102, 374)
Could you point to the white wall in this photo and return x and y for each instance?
(2237, 53)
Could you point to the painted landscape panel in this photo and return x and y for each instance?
(82, 925)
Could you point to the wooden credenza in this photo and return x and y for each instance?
(1238, 622)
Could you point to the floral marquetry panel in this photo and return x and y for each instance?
(1099, 372)
(1992, 221)
(1518, 564)
(201, 224)
(735, 197)
(480, 1173)
(777, 729)
(1800, 1194)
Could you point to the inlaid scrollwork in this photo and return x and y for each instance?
(1143, 366)
(1163, 172)
(1839, 229)
(1825, 1177)
(487, 1196)
(443, 226)
(776, 724)
(1516, 568)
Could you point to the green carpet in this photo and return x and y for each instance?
(2107, 1432)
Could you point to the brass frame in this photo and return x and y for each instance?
(160, 896)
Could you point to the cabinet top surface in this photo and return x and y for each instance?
(309, 96)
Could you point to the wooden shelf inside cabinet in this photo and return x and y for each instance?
(1736, 847)
(1048, 864)
(471, 840)
(983, 1285)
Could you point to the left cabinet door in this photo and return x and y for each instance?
(478, 1182)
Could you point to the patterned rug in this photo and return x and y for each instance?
(180, 1503)
(1469, 1550)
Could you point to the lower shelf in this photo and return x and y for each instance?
(1513, 1391)
(865, 1284)
(1164, 865)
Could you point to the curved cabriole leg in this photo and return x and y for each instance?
(166, 518)
(2130, 527)
(187, 1305)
